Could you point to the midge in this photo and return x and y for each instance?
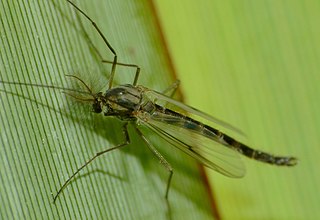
(171, 119)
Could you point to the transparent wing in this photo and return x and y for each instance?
(207, 151)
(181, 108)
(196, 141)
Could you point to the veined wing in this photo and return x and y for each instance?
(184, 109)
(195, 140)
(208, 151)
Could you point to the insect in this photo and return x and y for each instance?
(182, 126)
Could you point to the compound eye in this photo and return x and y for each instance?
(96, 107)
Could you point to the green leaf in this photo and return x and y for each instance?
(46, 135)
(255, 64)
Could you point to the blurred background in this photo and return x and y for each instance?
(255, 64)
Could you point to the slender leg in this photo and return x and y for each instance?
(172, 88)
(113, 68)
(163, 161)
(114, 62)
(125, 143)
(128, 65)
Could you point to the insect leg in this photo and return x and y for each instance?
(136, 76)
(125, 143)
(172, 88)
(108, 61)
(114, 63)
(163, 161)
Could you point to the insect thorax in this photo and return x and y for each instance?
(121, 101)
